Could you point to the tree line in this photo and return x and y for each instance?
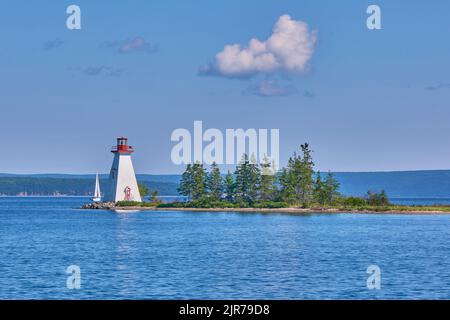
(256, 185)
(252, 184)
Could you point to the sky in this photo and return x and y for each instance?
(365, 100)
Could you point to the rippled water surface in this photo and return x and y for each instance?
(175, 255)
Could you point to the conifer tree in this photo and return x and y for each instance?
(198, 181)
(215, 183)
(306, 175)
(247, 181)
(319, 193)
(331, 188)
(296, 179)
(186, 184)
(325, 191)
(229, 187)
(267, 189)
(193, 181)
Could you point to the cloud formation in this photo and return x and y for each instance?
(309, 94)
(102, 70)
(438, 87)
(136, 44)
(289, 48)
(52, 44)
(271, 88)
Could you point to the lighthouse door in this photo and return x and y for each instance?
(127, 194)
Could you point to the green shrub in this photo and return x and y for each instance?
(128, 204)
(208, 203)
(171, 205)
(149, 204)
(377, 199)
(351, 202)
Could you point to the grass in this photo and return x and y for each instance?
(392, 207)
(278, 205)
(136, 204)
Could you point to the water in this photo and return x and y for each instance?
(421, 201)
(186, 255)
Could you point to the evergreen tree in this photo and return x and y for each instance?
(186, 184)
(325, 192)
(247, 181)
(255, 179)
(198, 181)
(306, 175)
(296, 179)
(193, 181)
(229, 187)
(215, 183)
(331, 188)
(267, 188)
(284, 179)
(319, 190)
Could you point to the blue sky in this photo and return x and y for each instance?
(367, 100)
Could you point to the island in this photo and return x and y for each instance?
(252, 187)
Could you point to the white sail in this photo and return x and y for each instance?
(97, 187)
(97, 193)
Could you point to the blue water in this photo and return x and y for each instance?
(421, 201)
(176, 255)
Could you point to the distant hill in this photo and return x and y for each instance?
(142, 177)
(421, 184)
(63, 185)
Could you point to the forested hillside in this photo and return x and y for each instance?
(14, 185)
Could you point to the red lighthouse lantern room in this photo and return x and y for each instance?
(122, 146)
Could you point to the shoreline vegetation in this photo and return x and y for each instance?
(185, 206)
(296, 188)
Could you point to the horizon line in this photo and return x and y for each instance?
(174, 174)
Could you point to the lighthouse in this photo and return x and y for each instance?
(122, 179)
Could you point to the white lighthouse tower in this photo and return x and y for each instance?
(122, 179)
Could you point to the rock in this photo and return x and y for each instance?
(99, 206)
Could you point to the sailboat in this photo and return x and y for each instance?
(97, 195)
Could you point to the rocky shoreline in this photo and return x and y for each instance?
(99, 206)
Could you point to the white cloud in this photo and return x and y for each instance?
(289, 48)
(136, 44)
